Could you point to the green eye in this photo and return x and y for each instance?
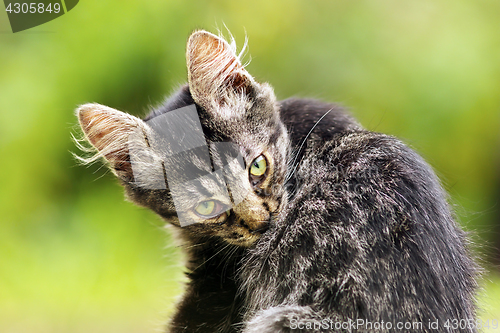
(209, 209)
(259, 166)
(205, 208)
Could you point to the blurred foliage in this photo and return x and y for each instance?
(74, 257)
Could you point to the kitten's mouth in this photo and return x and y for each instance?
(261, 229)
(248, 233)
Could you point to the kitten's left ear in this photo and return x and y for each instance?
(109, 130)
(215, 73)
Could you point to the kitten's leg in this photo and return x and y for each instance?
(207, 306)
(285, 319)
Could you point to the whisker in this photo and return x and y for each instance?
(226, 258)
(302, 144)
(223, 248)
(190, 246)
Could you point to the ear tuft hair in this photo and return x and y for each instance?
(108, 131)
(215, 72)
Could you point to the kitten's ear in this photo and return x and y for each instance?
(108, 130)
(215, 72)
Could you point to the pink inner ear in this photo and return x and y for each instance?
(108, 130)
(211, 57)
(239, 83)
(214, 70)
(93, 128)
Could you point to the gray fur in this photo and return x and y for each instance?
(346, 224)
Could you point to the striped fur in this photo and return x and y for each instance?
(347, 225)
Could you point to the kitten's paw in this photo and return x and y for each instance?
(281, 319)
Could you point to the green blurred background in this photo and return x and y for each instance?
(75, 257)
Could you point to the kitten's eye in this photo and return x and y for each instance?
(209, 208)
(259, 166)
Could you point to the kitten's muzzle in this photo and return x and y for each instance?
(253, 214)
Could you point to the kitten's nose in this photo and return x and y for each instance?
(253, 214)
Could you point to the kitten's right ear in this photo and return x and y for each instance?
(108, 130)
(215, 73)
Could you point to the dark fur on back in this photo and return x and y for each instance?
(371, 234)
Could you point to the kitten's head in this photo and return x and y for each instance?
(217, 167)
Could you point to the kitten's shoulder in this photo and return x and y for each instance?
(300, 115)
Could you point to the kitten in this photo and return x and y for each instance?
(295, 218)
